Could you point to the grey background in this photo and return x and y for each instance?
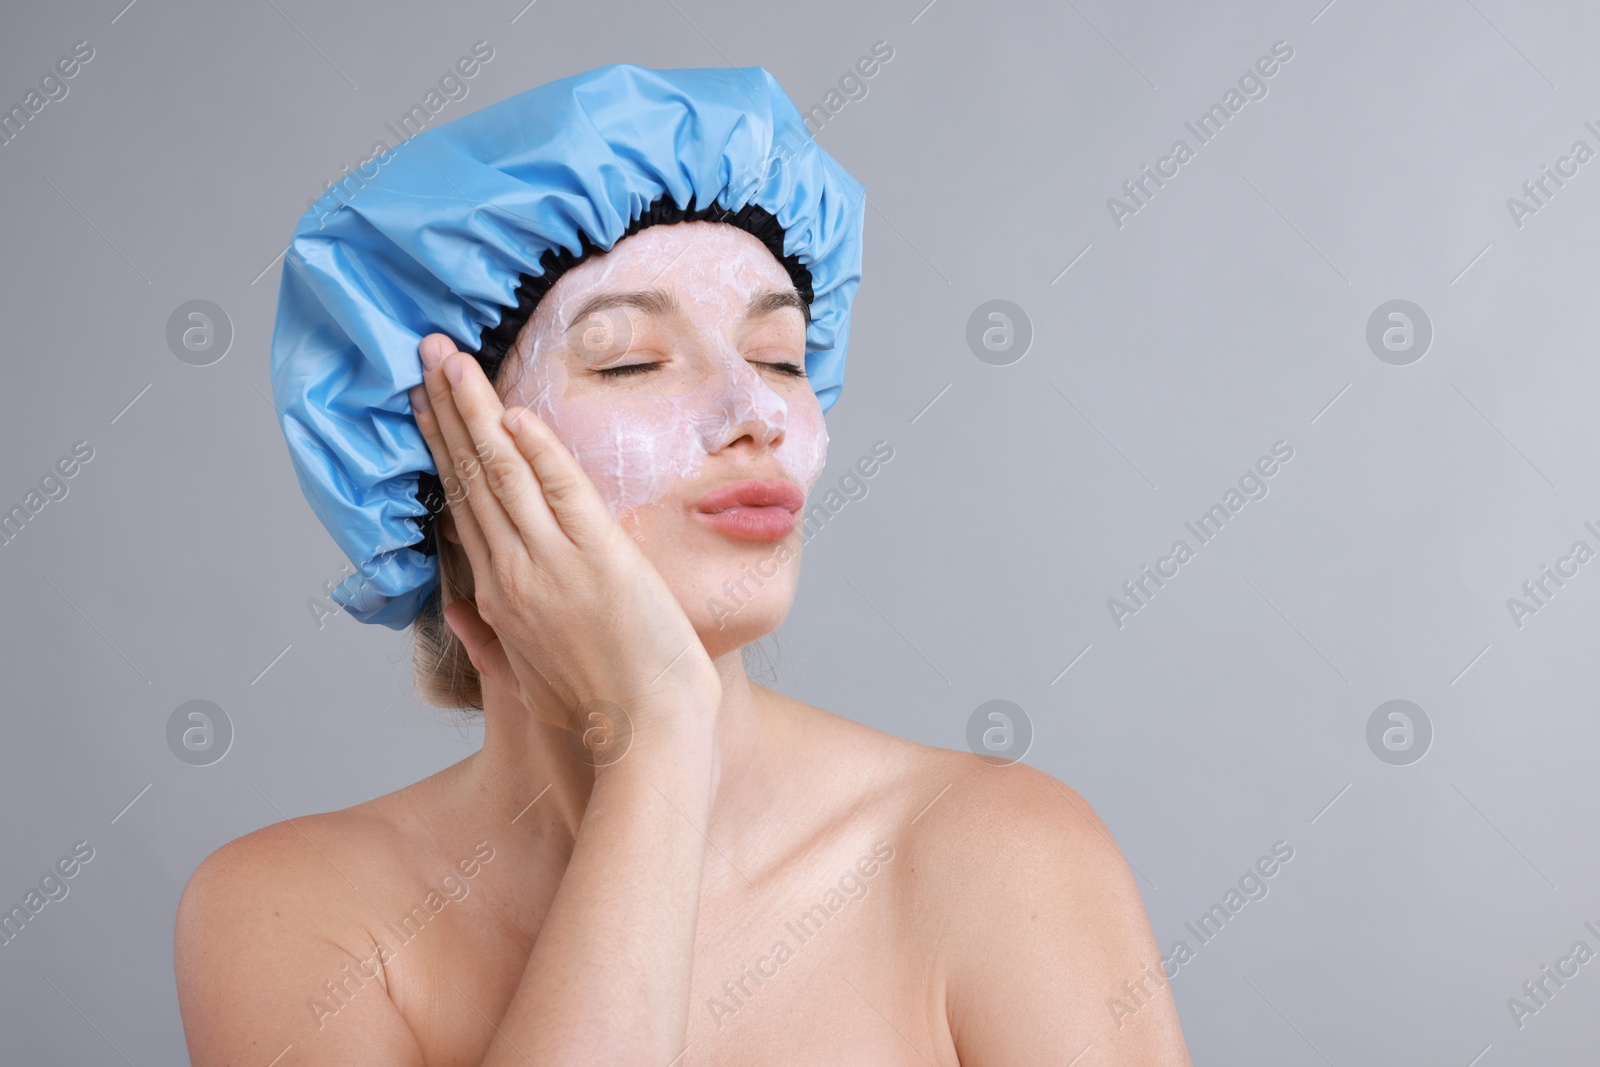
(1224, 316)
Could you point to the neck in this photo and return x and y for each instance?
(538, 773)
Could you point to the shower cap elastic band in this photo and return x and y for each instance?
(465, 227)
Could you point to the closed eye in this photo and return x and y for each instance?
(794, 370)
(622, 372)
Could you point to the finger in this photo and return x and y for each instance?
(474, 445)
(455, 512)
(482, 522)
(567, 490)
(508, 474)
(428, 424)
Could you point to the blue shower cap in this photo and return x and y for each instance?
(461, 228)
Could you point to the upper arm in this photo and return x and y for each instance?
(1048, 953)
(254, 947)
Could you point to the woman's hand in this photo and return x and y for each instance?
(570, 611)
(566, 603)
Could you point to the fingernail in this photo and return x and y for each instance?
(452, 370)
(511, 417)
(431, 355)
(419, 400)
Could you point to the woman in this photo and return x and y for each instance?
(652, 860)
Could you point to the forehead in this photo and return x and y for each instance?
(687, 257)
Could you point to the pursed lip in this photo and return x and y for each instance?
(752, 493)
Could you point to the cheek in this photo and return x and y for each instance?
(804, 450)
(633, 451)
(632, 448)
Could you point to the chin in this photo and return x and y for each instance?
(743, 595)
(727, 631)
(735, 593)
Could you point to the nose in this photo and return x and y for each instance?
(741, 405)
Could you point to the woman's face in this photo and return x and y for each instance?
(668, 367)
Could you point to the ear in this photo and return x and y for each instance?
(481, 642)
(447, 526)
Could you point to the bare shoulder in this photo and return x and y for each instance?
(990, 829)
(1014, 816)
(264, 921)
(325, 864)
(1027, 910)
(953, 807)
(292, 864)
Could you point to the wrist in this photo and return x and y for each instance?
(675, 760)
(661, 733)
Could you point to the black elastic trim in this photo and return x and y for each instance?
(498, 340)
(430, 494)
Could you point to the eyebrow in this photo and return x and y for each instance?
(774, 299)
(660, 302)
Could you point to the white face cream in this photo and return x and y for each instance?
(640, 434)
